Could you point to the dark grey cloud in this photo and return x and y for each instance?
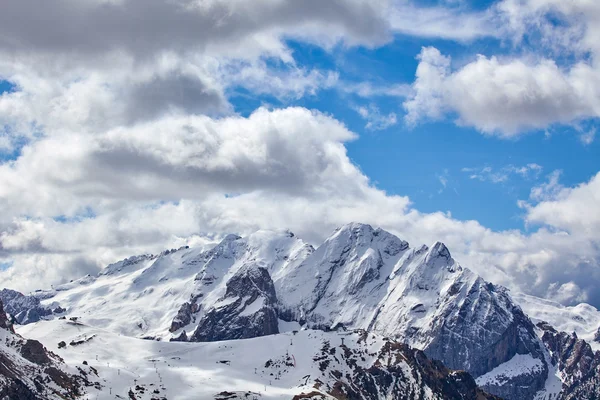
(176, 92)
(144, 27)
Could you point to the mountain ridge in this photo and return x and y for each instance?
(360, 278)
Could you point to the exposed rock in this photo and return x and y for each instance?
(59, 310)
(25, 309)
(181, 338)
(398, 373)
(577, 363)
(29, 372)
(4, 321)
(35, 352)
(185, 314)
(246, 310)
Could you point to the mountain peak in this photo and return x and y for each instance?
(439, 249)
(355, 227)
(439, 255)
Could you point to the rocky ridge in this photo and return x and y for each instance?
(28, 371)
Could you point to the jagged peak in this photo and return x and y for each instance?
(439, 249)
(439, 256)
(353, 227)
(356, 230)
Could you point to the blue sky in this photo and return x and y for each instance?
(413, 161)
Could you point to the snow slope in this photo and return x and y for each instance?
(269, 367)
(518, 365)
(141, 296)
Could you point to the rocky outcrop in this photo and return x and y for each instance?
(246, 310)
(487, 331)
(397, 372)
(25, 309)
(4, 321)
(484, 331)
(30, 372)
(597, 335)
(185, 315)
(578, 365)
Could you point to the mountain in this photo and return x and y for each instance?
(577, 365)
(359, 279)
(26, 309)
(29, 371)
(308, 364)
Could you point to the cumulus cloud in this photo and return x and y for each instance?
(553, 79)
(504, 97)
(145, 28)
(574, 210)
(292, 150)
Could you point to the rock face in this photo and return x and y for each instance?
(397, 372)
(184, 316)
(29, 372)
(25, 309)
(578, 365)
(246, 310)
(4, 322)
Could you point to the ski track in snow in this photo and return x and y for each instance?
(191, 370)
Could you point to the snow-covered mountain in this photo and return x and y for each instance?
(307, 364)
(29, 371)
(360, 278)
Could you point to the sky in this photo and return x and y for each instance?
(131, 126)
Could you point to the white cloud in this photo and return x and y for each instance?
(442, 22)
(291, 150)
(574, 210)
(554, 78)
(588, 137)
(547, 190)
(502, 175)
(503, 97)
(376, 121)
(568, 293)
